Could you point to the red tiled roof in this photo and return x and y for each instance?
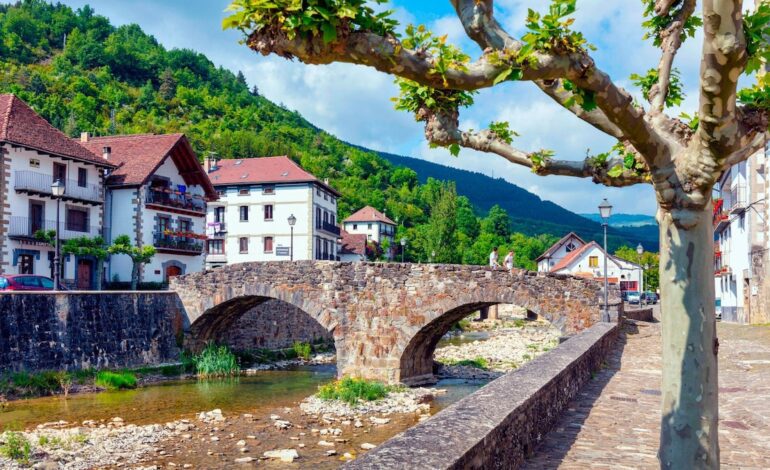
(550, 251)
(353, 243)
(573, 255)
(369, 214)
(21, 125)
(263, 170)
(139, 156)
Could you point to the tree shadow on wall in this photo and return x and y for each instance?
(560, 439)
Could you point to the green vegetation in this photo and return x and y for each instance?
(352, 390)
(478, 363)
(15, 446)
(216, 361)
(303, 350)
(648, 258)
(115, 380)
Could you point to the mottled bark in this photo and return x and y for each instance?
(135, 275)
(688, 437)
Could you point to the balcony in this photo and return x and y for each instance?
(40, 184)
(24, 229)
(166, 199)
(738, 199)
(722, 271)
(329, 228)
(216, 230)
(184, 243)
(721, 218)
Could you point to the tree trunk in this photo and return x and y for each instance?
(688, 432)
(99, 273)
(135, 276)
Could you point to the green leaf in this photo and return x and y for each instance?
(615, 171)
(330, 33)
(454, 149)
(502, 76)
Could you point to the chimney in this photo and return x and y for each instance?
(85, 137)
(210, 164)
(106, 152)
(326, 181)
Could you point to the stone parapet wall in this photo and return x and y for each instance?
(274, 325)
(641, 314)
(501, 423)
(77, 330)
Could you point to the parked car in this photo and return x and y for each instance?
(624, 295)
(650, 298)
(22, 282)
(633, 298)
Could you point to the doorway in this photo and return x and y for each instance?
(26, 264)
(36, 217)
(85, 269)
(173, 271)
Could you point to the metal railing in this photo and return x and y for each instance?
(176, 200)
(330, 228)
(41, 183)
(27, 228)
(738, 198)
(179, 243)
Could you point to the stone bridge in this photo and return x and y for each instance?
(385, 318)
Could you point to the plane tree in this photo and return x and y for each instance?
(681, 159)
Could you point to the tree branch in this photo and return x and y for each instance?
(596, 117)
(671, 41)
(442, 129)
(724, 58)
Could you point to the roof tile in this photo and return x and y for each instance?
(369, 214)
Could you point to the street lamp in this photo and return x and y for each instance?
(57, 189)
(403, 248)
(292, 221)
(640, 251)
(605, 210)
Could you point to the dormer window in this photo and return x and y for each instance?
(570, 247)
(268, 189)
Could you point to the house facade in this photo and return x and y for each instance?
(257, 198)
(740, 242)
(34, 154)
(158, 196)
(352, 247)
(375, 225)
(572, 255)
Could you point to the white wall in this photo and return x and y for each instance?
(615, 269)
(545, 265)
(374, 231)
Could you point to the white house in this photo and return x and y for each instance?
(352, 247)
(33, 155)
(572, 255)
(375, 225)
(157, 196)
(257, 197)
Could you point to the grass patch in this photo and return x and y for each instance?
(478, 363)
(303, 350)
(216, 361)
(519, 323)
(16, 447)
(351, 390)
(115, 380)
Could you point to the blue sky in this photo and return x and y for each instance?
(353, 102)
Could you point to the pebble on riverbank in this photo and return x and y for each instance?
(413, 400)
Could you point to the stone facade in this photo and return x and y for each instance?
(274, 325)
(76, 330)
(500, 424)
(386, 318)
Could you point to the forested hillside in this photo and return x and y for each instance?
(83, 74)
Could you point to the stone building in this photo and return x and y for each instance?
(157, 195)
(33, 155)
(257, 198)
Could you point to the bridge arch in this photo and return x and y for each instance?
(381, 314)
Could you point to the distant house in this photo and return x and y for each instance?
(158, 196)
(257, 196)
(33, 155)
(375, 225)
(572, 255)
(352, 247)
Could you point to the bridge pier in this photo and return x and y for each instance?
(385, 318)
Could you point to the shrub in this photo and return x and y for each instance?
(216, 361)
(115, 380)
(478, 363)
(16, 447)
(352, 390)
(303, 350)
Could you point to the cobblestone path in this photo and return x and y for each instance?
(614, 422)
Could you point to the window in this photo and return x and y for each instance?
(268, 244)
(368, 226)
(268, 189)
(219, 214)
(355, 226)
(243, 243)
(34, 163)
(216, 247)
(318, 192)
(77, 219)
(570, 247)
(26, 264)
(593, 261)
(221, 192)
(268, 212)
(326, 217)
(46, 283)
(317, 248)
(244, 211)
(369, 236)
(326, 197)
(164, 223)
(317, 217)
(60, 172)
(244, 192)
(82, 177)
(331, 219)
(184, 225)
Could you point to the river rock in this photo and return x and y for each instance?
(284, 455)
(244, 460)
(325, 444)
(280, 424)
(367, 446)
(380, 421)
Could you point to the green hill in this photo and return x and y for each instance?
(84, 74)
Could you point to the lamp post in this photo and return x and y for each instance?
(292, 221)
(640, 252)
(57, 189)
(605, 210)
(403, 248)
